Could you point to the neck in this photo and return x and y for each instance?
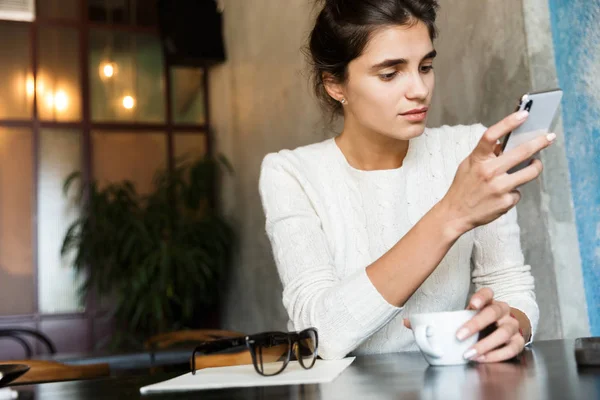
(369, 151)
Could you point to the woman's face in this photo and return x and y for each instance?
(389, 86)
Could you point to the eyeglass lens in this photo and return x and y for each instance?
(306, 348)
(272, 356)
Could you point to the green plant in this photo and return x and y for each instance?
(157, 258)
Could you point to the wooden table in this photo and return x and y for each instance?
(547, 371)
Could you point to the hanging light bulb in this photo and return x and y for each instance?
(30, 86)
(61, 100)
(107, 70)
(128, 102)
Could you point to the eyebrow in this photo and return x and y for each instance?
(400, 61)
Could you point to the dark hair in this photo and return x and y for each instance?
(343, 29)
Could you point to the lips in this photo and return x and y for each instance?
(416, 111)
(417, 115)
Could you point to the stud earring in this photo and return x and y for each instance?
(343, 101)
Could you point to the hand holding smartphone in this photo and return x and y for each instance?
(482, 191)
(542, 108)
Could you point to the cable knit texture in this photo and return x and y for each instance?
(327, 221)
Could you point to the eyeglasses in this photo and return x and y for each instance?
(271, 352)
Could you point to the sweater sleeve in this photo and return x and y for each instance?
(498, 261)
(345, 311)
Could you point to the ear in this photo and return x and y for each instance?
(333, 87)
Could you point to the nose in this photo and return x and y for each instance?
(417, 90)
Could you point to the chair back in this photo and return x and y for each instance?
(17, 334)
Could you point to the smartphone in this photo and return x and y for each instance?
(587, 351)
(542, 107)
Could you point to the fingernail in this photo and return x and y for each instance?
(476, 303)
(480, 359)
(521, 115)
(462, 334)
(551, 137)
(470, 354)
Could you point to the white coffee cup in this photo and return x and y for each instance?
(435, 334)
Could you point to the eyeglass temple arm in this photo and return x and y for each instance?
(214, 346)
(218, 345)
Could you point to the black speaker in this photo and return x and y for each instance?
(191, 32)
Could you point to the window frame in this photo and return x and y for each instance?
(92, 314)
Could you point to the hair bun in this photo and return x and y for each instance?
(336, 3)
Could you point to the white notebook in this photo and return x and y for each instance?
(245, 376)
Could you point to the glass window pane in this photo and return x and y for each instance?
(16, 91)
(61, 9)
(58, 78)
(59, 155)
(126, 77)
(187, 95)
(132, 156)
(16, 252)
(189, 146)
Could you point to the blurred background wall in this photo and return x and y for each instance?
(576, 34)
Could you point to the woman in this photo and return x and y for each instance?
(391, 218)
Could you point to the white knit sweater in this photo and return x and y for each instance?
(327, 221)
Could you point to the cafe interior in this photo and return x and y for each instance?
(131, 229)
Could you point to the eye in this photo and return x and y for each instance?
(387, 77)
(426, 68)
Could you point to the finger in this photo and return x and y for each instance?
(483, 319)
(481, 298)
(512, 349)
(407, 323)
(523, 152)
(516, 195)
(527, 174)
(510, 199)
(507, 328)
(490, 137)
